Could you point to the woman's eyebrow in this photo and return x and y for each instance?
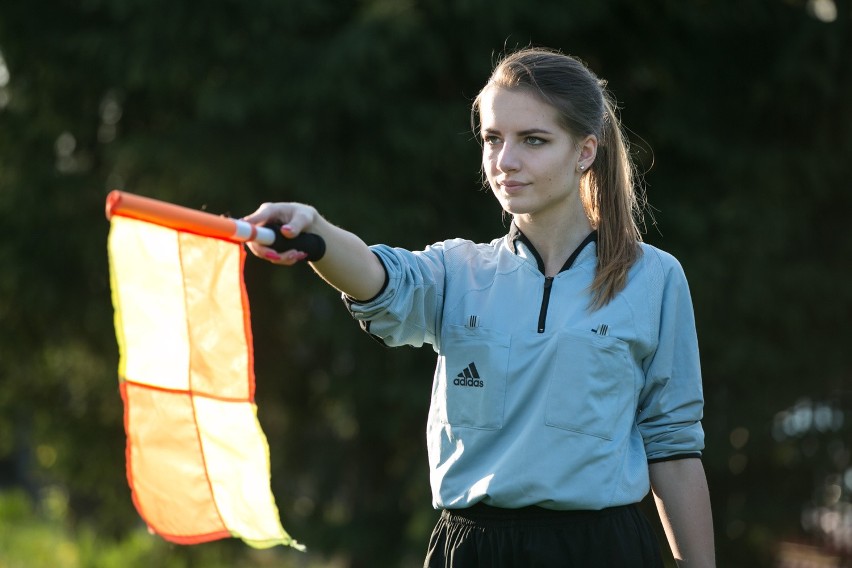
(533, 131)
(527, 132)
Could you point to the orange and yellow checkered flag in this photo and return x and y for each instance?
(197, 459)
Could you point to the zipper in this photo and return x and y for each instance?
(545, 300)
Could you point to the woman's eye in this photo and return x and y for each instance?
(491, 140)
(534, 141)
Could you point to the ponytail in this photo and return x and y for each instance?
(610, 198)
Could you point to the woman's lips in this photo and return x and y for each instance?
(512, 186)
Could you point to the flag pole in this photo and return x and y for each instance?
(181, 218)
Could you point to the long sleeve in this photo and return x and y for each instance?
(671, 404)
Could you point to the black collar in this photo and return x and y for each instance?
(516, 235)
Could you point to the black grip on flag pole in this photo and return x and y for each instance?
(309, 243)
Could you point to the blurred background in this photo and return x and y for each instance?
(740, 114)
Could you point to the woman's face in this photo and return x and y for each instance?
(531, 162)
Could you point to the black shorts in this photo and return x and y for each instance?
(490, 537)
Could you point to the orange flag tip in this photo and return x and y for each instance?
(112, 201)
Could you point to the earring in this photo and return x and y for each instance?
(582, 168)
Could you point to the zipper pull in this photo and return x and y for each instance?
(545, 300)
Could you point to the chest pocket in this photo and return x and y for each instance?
(591, 390)
(470, 379)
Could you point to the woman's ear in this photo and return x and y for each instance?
(588, 149)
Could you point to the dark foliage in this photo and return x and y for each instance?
(741, 120)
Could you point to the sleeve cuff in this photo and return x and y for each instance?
(676, 457)
(350, 300)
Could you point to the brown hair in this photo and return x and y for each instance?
(608, 190)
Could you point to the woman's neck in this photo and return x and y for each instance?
(555, 240)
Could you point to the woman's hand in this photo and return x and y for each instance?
(294, 218)
(348, 263)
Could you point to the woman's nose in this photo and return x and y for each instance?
(507, 159)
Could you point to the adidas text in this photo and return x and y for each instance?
(463, 382)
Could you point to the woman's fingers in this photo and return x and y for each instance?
(287, 258)
(267, 213)
(293, 218)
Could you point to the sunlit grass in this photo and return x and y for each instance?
(33, 536)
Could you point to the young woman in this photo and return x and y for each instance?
(568, 380)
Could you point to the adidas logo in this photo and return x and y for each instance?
(469, 377)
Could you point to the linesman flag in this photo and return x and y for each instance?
(197, 459)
